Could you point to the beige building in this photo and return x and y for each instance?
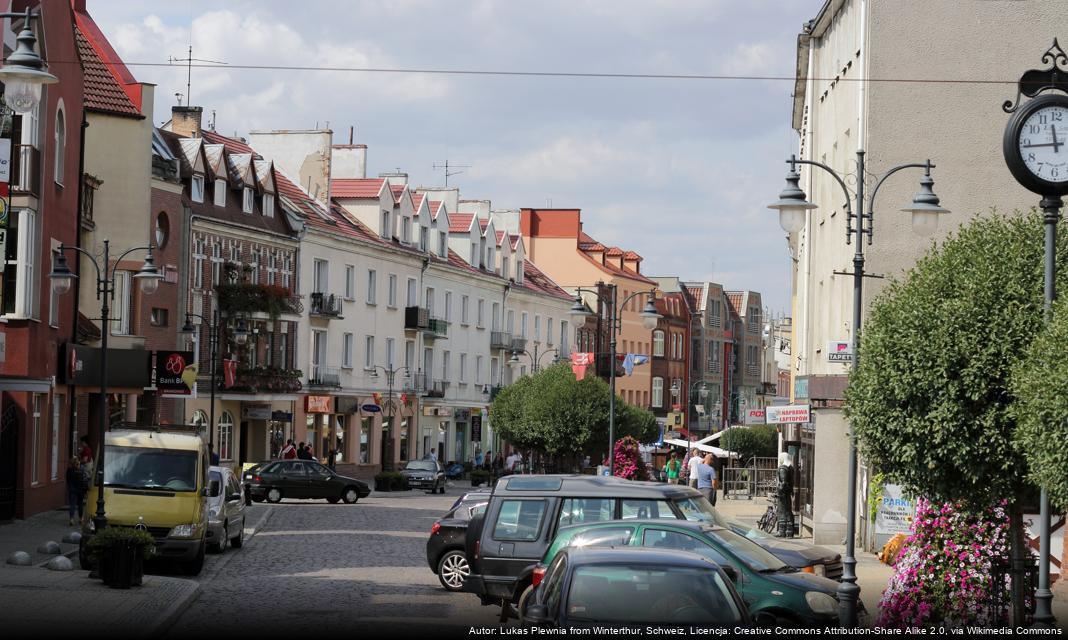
(853, 61)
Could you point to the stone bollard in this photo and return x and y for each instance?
(20, 559)
(51, 548)
(60, 563)
(72, 538)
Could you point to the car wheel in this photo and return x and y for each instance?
(220, 546)
(333, 500)
(196, 565)
(453, 570)
(350, 495)
(524, 600)
(274, 495)
(239, 539)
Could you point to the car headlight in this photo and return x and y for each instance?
(816, 569)
(821, 603)
(185, 531)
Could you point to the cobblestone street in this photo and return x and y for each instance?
(322, 568)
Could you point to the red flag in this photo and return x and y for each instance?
(404, 399)
(229, 373)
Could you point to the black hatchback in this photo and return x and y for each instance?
(303, 479)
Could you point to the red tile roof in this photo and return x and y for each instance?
(107, 55)
(482, 224)
(734, 298)
(515, 241)
(500, 238)
(460, 222)
(102, 91)
(357, 187)
(233, 145)
(417, 200)
(614, 251)
(630, 255)
(398, 191)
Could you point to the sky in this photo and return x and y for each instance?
(679, 170)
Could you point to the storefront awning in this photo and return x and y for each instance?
(33, 385)
(716, 451)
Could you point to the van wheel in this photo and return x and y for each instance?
(274, 495)
(239, 539)
(196, 565)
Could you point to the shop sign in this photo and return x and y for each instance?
(476, 427)
(895, 512)
(800, 388)
(318, 404)
(430, 411)
(346, 404)
(755, 416)
(127, 368)
(839, 351)
(176, 373)
(256, 412)
(371, 408)
(788, 414)
(463, 415)
(281, 416)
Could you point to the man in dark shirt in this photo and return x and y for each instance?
(303, 453)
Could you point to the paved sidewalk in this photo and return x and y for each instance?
(27, 535)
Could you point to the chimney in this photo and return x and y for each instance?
(348, 161)
(185, 121)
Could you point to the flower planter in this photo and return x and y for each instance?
(122, 565)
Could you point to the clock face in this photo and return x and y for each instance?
(1043, 143)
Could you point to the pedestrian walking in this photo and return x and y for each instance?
(214, 457)
(76, 490)
(695, 459)
(332, 459)
(289, 451)
(487, 460)
(672, 468)
(85, 452)
(478, 460)
(303, 453)
(706, 479)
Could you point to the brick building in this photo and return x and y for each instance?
(670, 362)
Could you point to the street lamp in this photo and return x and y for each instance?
(649, 318)
(391, 373)
(535, 359)
(213, 337)
(793, 206)
(62, 277)
(24, 74)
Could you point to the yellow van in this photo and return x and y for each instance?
(159, 479)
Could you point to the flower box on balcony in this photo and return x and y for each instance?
(271, 299)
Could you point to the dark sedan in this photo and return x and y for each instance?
(425, 474)
(631, 587)
(303, 479)
(445, 546)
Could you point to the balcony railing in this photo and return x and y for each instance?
(326, 305)
(324, 377)
(437, 328)
(266, 380)
(415, 383)
(436, 388)
(26, 169)
(263, 298)
(500, 340)
(416, 318)
(518, 344)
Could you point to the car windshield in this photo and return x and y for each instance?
(700, 510)
(641, 594)
(144, 468)
(421, 465)
(753, 555)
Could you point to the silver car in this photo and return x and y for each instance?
(226, 511)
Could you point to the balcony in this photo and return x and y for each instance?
(416, 383)
(518, 344)
(269, 299)
(325, 305)
(324, 377)
(436, 388)
(266, 380)
(494, 390)
(416, 318)
(437, 328)
(26, 170)
(500, 340)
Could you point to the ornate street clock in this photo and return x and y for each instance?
(1036, 137)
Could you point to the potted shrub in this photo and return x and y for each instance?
(119, 553)
(391, 481)
(479, 477)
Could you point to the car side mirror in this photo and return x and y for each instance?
(536, 614)
(233, 497)
(731, 572)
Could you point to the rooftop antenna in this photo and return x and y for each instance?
(178, 95)
(448, 173)
(350, 134)
(189, 60)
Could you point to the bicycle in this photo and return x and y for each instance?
(769, 520)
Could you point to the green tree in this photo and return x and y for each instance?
(758, 441)
(930, 401)
(1040, 385)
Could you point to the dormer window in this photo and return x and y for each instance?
(384, 231)
(474, 254)
(505, 272)
(268, 205)
(443, 249)
(406, 230)
(248, 200)
(519, 270)
(220, 193)
(489, 259)
(424, 239)
(196, 189)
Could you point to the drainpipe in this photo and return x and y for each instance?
(72, 399)
(504, 301)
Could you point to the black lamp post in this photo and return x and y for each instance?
(240, 336)
(535, 358)
(649, 317)
(62, 278)
(391, 374)
(793, 206)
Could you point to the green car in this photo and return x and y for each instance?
(774, 592)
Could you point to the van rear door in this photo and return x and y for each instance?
(515, 536)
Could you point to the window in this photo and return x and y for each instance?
(478, 369)
(518, 270)
(248, 201)
(57, 401)
(464, 311)
(754, 319)
(519, 520)
(346, 351)
(445, 357)
(350, 282)
(254, 266)
(412, 299)
(226, 436)
(496, 316)
(121, 326)
(448, 306)
(658, 392)
(268, 205)
(549, 331)
(393, 290)
(713, 356)
(384, 230)
(406, 230)
(287, 270)
(196, 189)
(506, 270)
(318, 353)
(564, 347)
(663, 539)
(320, 276)
(474, 255)
(220, 192)
(585, 511)
(658, 345)
(644, 509)
(522, 325)
(369, 352)
(61, 143)
(390, 344)
(489, 259)
(272, 266)
(20, 284)
(463, 368)
(216, 264)
(603, 537)
(481, 314)
(198, 264)
(372, 286)
(158, 317)
(53, 296)
(511, 321)
(424, 238)
(35, 473)
(495, 368)
(537, 328)
(365, 440)
(714, 314)
(443, 249)
(409, 354)
(429, 300)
